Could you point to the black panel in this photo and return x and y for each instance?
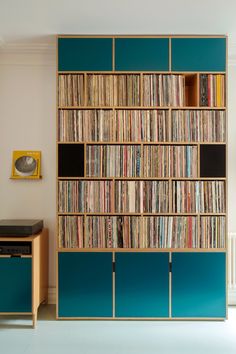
(14, 247)
(70, 160)
(212, 161)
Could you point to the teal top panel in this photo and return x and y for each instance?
(16, 285)
(199, 285)
(198, 54)
(84, 54)
(142, 54)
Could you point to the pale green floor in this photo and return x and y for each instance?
(115, 337)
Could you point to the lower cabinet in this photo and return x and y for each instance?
(16, 284)
(138, 286)
(199, 285)
(85, 284)
(142, 285)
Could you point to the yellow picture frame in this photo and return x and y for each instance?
(26, 165)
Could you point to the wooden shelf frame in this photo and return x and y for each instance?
(134, 250)
(142, 143)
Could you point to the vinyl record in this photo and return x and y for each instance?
(25, 166)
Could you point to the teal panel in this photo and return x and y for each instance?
(142, 54)
(84, 54)
(16, 285)
(85, 284)
(198, 54)
(142, 285)
(198, 285)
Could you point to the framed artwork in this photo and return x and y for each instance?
(26, 165)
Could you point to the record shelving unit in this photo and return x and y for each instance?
(142, 177)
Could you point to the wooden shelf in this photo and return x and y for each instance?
(143, 214)
(187, 250)
(142, 107)
(94, 178)
(169, 72)
(142, 142)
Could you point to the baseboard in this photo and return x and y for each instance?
(231, 296)
(51, 295)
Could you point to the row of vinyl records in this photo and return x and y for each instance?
(212, 90)
(145, 232)
(131, 161)
(125, 90)
(145, 196)
(141, 125)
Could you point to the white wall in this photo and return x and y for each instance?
(28, 121)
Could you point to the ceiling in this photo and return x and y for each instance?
(37, 21)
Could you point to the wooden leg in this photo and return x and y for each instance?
(34, 319)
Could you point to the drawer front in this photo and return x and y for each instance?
(16, 284)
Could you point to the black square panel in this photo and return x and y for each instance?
(212, 161)
(70, 160)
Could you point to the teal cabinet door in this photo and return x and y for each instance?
(142, 54)
(85, 284)
(84, 54)
(198, 54)
(16, 285)
(199, 285)
(142, 285)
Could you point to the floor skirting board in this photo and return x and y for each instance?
(232, 296)
(51, 295)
